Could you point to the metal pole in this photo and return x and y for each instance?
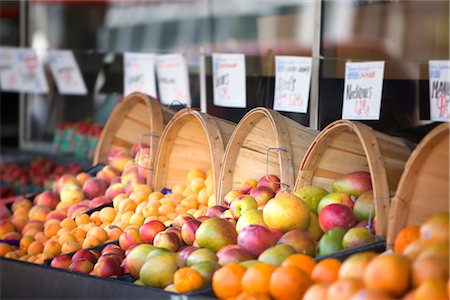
(22, 100)
(315, 72)
(202, 80)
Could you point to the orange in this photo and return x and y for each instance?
(187, 279)
(343, 289)
(413, 250)
(405, 237)
(289, 283)
(256, 279)
(388, 273)
(326, 271)
(302, 261)
(435, 289)
(366, 294)
(435, 229)
(429, 267)
(317, 291)
(247, 296)
(226, 281)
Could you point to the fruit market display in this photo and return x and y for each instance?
(417, 269)
(36, 176)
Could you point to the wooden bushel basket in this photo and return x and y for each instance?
(258, 132)
(191, 140)
(343, 147)
(423, 189)
(136, 118)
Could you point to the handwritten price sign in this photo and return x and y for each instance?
(229, 80)
(9, 71)
(31, 74)
(139, 75)
(362, 90)
(66, 72)
(439, 90)
(292, 82)
(173, 80)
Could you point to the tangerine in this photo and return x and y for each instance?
(326, 271)
(187, 279)
(405, 237)
(256, 279)
(289, 283)
(226, 281)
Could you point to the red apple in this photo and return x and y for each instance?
(167, 240)
(247, 185)
(215, 211)
(270, 181)
(148, 231)
(262, 195)
(181, 219)
(188, 231)
(255, 239)
(61, 262)
(336, 215)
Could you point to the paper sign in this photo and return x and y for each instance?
(139, 75)
(173, 80)
(292, 82)
(439, 90)
(66, 72)
(32, 76)
(9, 70)
(229, 80)
(362, 90)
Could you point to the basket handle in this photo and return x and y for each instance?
(283, 186)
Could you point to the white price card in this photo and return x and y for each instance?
(362, 90)
(229, 80)
(439, 90)
(32, 77)
(66, 72)
(9, 70)
(292, 82)
(139, 75)
(173, 80)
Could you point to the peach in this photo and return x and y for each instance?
(20, 252)
(68, 223)
(99, 233)
(66, 179)
(119, 160)
(132, 183)
(47, 198)
(39, 212)
(94, 187)
(138, 196)
(21, 212)
(91, 241)
(99, 201)
(25, 241)
(86, 227)
(107, 214)
(22, 203)
(95, 217)
(35, 225)
(56, 214)
(51, 229)
(40, 236)
(137, 219)
(71, 194)
(78, 233)
(6, 226)
(113, 232)
(77, 211)
(140, 207)
(82, 219)
(66, 237)
(129, 173)
(5, 248)
(70, 246)
(165, 209)
(149, 211)
(63, 206)
(113, 190)
(61, 262)
(11, 255)
(52, 248)
(127, 205)
(82, 177)
(107, 174)
(126, 216)
(35, 248)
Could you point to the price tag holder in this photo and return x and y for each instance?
(439, 90)
(292, 83)
(31, 74)
(229, 80)
(9, 71)
(66, 72)
(139, 74)
(362, 90)
(173, 80)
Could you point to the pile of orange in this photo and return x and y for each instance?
(418, 269)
